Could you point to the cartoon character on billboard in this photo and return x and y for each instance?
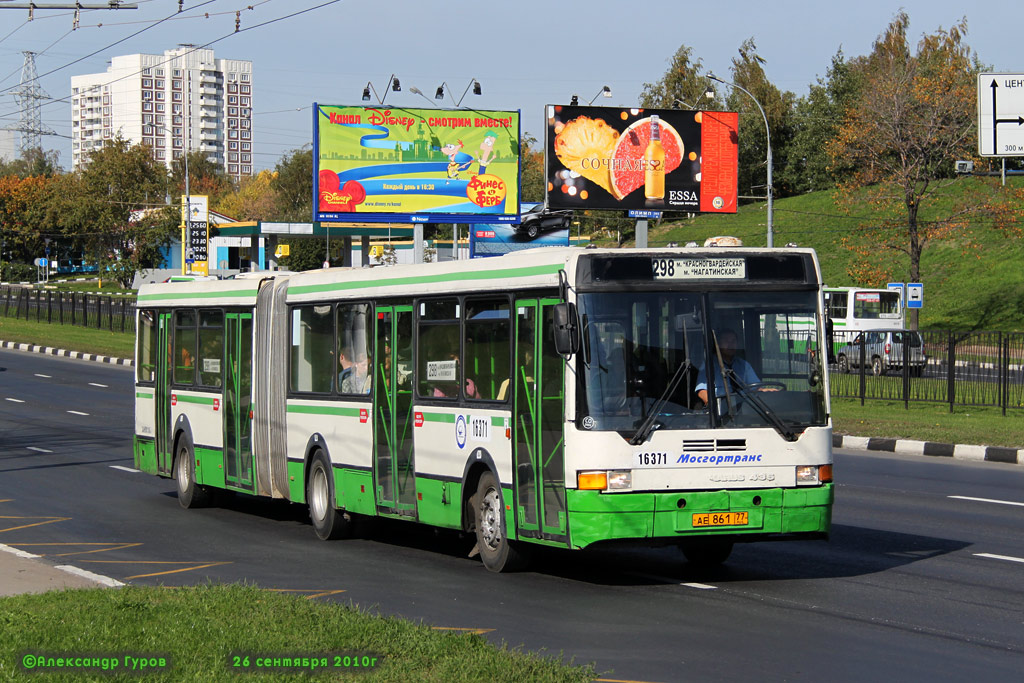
(487, 153)
(453, 150)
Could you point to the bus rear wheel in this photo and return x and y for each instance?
(190, 494)
(497, 552)
(329, 523)
(707, 552)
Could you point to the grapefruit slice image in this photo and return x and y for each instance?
(627, 169)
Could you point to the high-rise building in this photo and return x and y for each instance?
(182, 100)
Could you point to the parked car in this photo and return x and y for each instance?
(883, 351)
(539, 219)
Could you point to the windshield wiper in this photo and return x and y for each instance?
(652, 418)
(762, 408)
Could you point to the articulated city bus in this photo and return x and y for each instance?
(556, 397)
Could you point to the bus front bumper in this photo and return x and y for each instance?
(595, 516)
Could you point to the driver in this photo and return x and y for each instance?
(727, 342)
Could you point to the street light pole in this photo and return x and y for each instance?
(768, 135)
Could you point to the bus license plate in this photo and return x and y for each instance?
(702, 519)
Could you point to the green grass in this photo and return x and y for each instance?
(94, 285)
(929, 422)
(71, 337)
(200, 629)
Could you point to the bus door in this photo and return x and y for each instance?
(395, 482)
(237, 378)
(539, 415)
(162, 394)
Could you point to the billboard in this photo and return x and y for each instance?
(195, 234)
(497, 239)
(654, 159)
(395, 164)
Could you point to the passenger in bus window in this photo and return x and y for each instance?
(347, 366)
(357, 381)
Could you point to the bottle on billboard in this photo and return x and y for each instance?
(654, 164)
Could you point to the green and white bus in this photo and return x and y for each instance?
(548, 397)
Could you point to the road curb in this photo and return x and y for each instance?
(25, 572)
(64, 353)
(1013, 456)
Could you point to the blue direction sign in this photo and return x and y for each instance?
(915, 295)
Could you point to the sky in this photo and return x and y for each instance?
(524, 53)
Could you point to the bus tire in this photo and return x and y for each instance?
(329, 523)
(705, 553)
(190, 494)
(497, 552)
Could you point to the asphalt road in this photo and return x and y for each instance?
(922, 579)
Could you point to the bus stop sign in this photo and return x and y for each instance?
(915, 295)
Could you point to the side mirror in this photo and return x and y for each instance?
(567, 329)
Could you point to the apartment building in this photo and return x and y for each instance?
(184, 99)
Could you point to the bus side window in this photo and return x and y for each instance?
(147, 346)
(211, 347)
(184, 346)
(488, 333)
(313, 365)
(438, 343)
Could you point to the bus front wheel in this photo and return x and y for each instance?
(497, 552)
(190, 494)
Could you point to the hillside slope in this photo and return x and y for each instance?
(973, 279)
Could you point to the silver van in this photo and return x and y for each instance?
(883, 351)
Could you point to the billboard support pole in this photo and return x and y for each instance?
(417, 243)
(641, 234)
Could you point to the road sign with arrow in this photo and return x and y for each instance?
(1000, 115)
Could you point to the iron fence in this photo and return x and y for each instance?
(955, 368)
(99, 311)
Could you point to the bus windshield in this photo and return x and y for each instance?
(644, 351)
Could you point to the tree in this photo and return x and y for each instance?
(253, 200)
(35, 162)
(914, 116)
(748, 72)
(115, 208)
(293, 185)
(532, 172)
(205, 177)
(682, 86)
(816, 119)
(22, 217)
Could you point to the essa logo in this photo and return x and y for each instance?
(460, 431)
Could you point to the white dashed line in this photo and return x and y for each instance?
(700, 586)
(124, 469)
(37, 449)
(97, 384)
(44, 376)
(1008, 558)
(989, 500)
(77, 412)
(15, 400)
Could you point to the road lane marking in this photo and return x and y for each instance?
(463, 629)
(49, 520)
(1008, 558)
(989, 500)
(78, 412)
(15, 400)
(197, 565)
(37, 449)
(109, 546)
(44, 376)
(97, 384)
(124, 469)
(700, 586)
(313, 592)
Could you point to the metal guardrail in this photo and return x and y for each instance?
(99, 311)
(959, 368)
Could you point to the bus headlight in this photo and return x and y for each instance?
(606, 480)
(812, 475)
